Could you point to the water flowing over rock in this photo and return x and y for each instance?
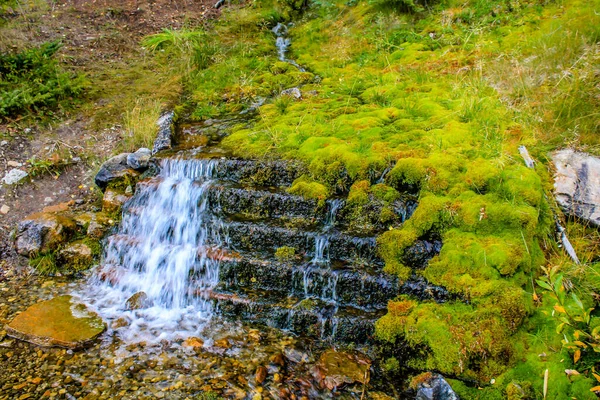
(43, 232)
(577, 184)
(57, 322)
(202, 238)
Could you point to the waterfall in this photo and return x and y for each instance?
(162, 248)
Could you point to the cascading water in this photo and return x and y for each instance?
(283, 44)
(162, 249)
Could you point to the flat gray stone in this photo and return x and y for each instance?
(577, 184)
(13, 176)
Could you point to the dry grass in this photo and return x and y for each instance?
(140, 124)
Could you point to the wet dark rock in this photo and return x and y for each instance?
(140, 160)
(114, 170)
(434, 387)
(347, 287)
(418, 287)
(336, 369)
(43, 232)
(419, 254)
(138, 301)
(257, 203)
(57, 322)
(165, 132)
(577, 184)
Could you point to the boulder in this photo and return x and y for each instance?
(336, 368)
(76, 256)
(115, 169)
(577, 184)
(138, 301)
(113, 200)
(434, 387)
(140, 160)
(57, 322)
(165, 132)
(43, 232)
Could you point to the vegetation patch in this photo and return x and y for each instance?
(33, 83)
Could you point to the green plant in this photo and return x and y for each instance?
(33, 83)
(192, 49)
(140, 124)
(580, 329)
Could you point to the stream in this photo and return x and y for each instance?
(217, 305)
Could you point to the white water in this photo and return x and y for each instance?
(161, 248)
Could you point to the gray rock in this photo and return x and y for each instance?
(165, 132)
(77, 256)
(13, 176)
(138, 301)
(43, 232)
(577, 184)
(292, 92)
(435, 388)
(113, 169)
(140, 159)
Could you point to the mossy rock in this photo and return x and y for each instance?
(58, 322)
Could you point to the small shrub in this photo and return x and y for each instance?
(32, 82)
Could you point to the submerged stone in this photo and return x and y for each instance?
(43, 232)
(335, 369)
(577, 184)
(138, 301)
(57, 322)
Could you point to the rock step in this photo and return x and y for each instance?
(357, 288)
(308, 317)
(265, 239)
(255, 203)
(255, 172)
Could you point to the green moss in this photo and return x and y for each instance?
(285, 253)
(310, 189)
